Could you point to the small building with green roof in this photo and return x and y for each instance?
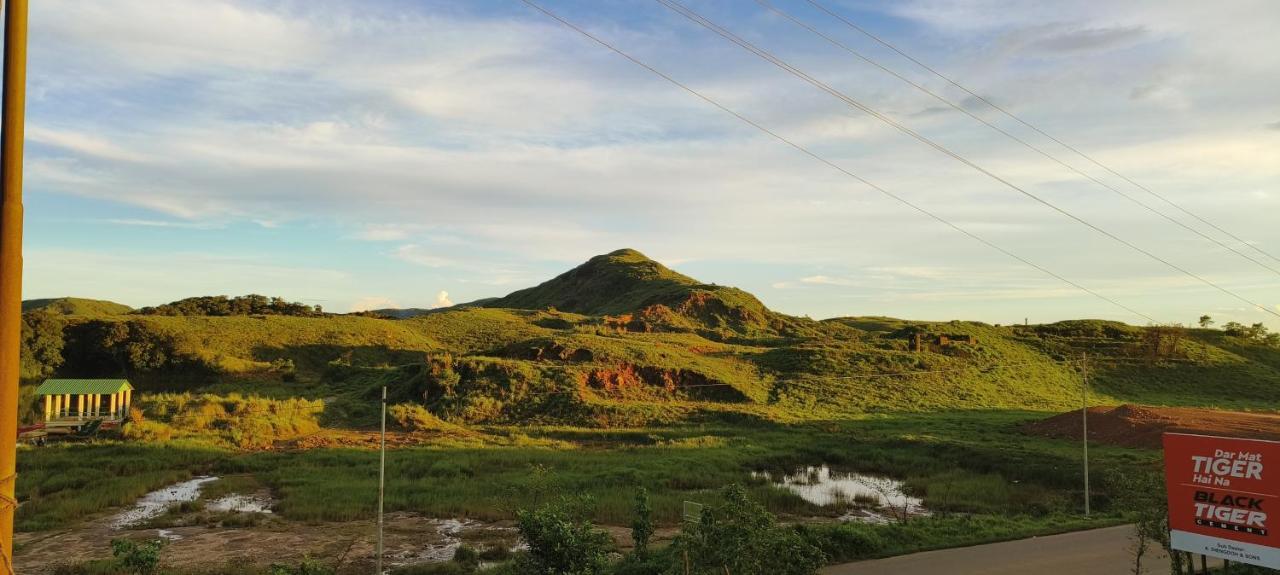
(76, 400)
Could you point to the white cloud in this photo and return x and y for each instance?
(827, 280)
(81, 143)
(416, 254)
(484, 143)
(162, 223)
(373, 302)
(442, 300)
(382, 233)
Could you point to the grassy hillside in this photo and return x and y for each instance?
(75, 306)
(622, 340)
(641, 295)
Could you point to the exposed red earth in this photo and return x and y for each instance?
(1141, 426)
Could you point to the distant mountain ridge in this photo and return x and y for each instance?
(630, 342)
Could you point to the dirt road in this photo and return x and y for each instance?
(1097, 552)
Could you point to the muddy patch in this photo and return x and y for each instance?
(347, 546)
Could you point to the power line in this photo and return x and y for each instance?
(769, 6)
(767, 56)
(1035, 128)
(824, 160)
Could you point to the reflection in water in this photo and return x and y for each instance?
(154, 504)
(821, 486)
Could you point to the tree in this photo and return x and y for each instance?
(738, 536)
(562, 541)
(1206, 322)
(42, 343)
(1235, 329)
(1142, 495)
(642, 525)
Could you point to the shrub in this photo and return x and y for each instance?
(561, 541)
(246, 422)
(416, 418)
(149, 431)
(738, 535)
(308, 566)
(642, 525)
(139, 558)
(466, 558)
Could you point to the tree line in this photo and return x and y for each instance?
(221, 305)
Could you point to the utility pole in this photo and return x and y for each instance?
(1084, 421)
(12, 109)
(382, 475)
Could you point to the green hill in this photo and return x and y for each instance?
(622, 340)
(75, 306)
(642, 295)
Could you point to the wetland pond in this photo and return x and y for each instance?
(866, 498)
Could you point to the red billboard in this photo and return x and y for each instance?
(1222, 492)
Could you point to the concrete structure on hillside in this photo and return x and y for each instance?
(73, 401)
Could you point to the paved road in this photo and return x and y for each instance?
(1096, 552)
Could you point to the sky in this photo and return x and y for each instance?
(398, 153)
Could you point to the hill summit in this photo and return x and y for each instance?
(644, 295)
(75, 306)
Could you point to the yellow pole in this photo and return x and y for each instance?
(128, 401)
(48, 407)
(57, 406)
(80, 406)
(97, 404)
(12, 130)
(113, 406)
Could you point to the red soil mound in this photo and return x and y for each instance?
(1140, 426)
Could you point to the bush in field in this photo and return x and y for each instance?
(138, 558)
(562, 541)
(417, 418)
(246, 422)
(150, 431)
(738, 535)
(308, 566)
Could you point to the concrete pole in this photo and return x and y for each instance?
(12, 131)
(57, 406)
(1084, 425)
(382, 476)
(80, 406)
(113, 406)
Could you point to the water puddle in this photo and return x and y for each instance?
(239, 503)
(869, 498)
(154, 504)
